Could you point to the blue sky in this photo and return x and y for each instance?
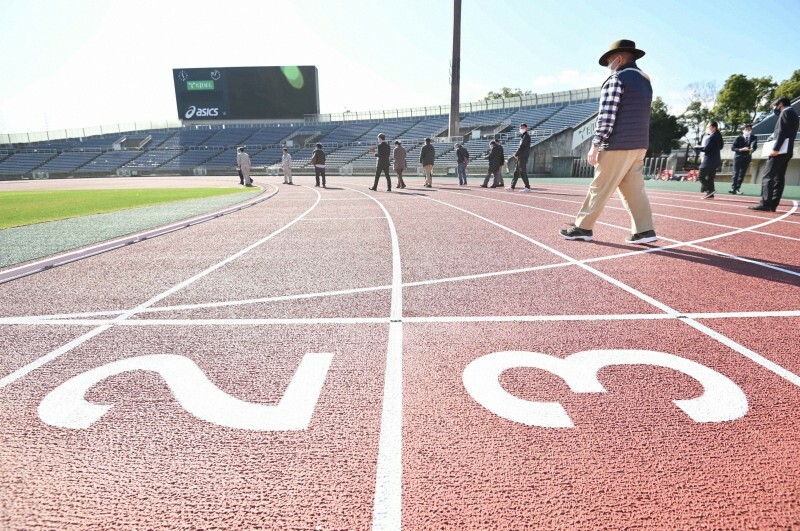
(86, 63)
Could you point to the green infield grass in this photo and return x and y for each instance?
(25, 208)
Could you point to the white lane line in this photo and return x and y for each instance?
(422, 319)
(706, 202)
(103, 247)
(388, 504)
(47, 358)
(129, 313)
(741, 349)
(692, 243)
(342, 219)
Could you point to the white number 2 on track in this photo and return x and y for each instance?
(65, 406)
(722, 400)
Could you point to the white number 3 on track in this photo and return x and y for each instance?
(722, 400)
(65, 406)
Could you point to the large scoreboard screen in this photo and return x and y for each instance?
(246, 93)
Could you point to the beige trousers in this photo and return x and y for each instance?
(428, 171)
(618, 170)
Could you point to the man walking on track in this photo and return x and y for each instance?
(712, 145)
(399, 163)
(522, 154)
(382, 164)
(427, 156)
(462, 159)
(495, 158)
(782, 150)
(318, 160)
(243, 161)
(286, 162)
(618, 147)
(743, 148)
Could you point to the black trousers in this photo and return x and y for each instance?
(706, 178)
(774, 180)
(319, 172)
(492, 173)
(521, 173)
(740, 165)
(384, 169)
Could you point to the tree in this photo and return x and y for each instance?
(506, 93)
(789, 88)
(743, 100)
(665, 129)
(695, 118)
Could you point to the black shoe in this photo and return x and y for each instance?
(576, 233)
(324, 186)
(762, 208)
(374, 189)
(642, 237)
(388, 189)
(709, 195)
(316, 186)
(485, 186)
(732, 192)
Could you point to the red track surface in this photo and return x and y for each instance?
(206, 344)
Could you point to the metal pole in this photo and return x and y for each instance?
(455, 71)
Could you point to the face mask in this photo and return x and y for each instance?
(613, 65)
(776, 111)
(522, 131)
(747, 133)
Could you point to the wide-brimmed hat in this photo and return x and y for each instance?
(622, 45)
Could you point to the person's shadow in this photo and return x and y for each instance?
(724, 263)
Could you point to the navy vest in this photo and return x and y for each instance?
(632, 127)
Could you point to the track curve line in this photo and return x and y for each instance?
(93, 250)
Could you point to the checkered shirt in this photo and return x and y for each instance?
(610, 95)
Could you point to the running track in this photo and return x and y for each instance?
(425, 359)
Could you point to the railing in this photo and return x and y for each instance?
(533, 100)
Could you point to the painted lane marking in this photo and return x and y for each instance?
(19, 373)
(388, 504)
(654, 249)
(99, 248)
(66, 407)
(741, 349)
(722, 400)
(421, 319)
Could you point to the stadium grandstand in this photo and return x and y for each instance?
(210, 148)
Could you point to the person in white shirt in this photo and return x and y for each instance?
(243, 161)
(286, 162)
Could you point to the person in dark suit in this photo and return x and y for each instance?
(427, 156)
(743, 147)
(782, 151)
(318, 160)
(382, 163)
(712, 145)
(495, 158)
(521, 155)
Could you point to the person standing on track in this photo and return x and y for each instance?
(400, 163)
(243, 162)
(462, 159)
(286, 163)
(521, 156)
(495, 158)
(382, 163)
(782, 150)
(712, 145)
(318, 160)
(743, 148)
(620, 142)
(427, 156)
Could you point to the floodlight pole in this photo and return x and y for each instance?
(455, 71)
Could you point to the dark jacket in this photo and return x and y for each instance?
(400, 158)
(524, 149)
(495, 158)
(318, 156)
(462, 155)
(785, 129)
(427, 155)
(632, 125)
(712, 147)
(742, 142)
(383, 153)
